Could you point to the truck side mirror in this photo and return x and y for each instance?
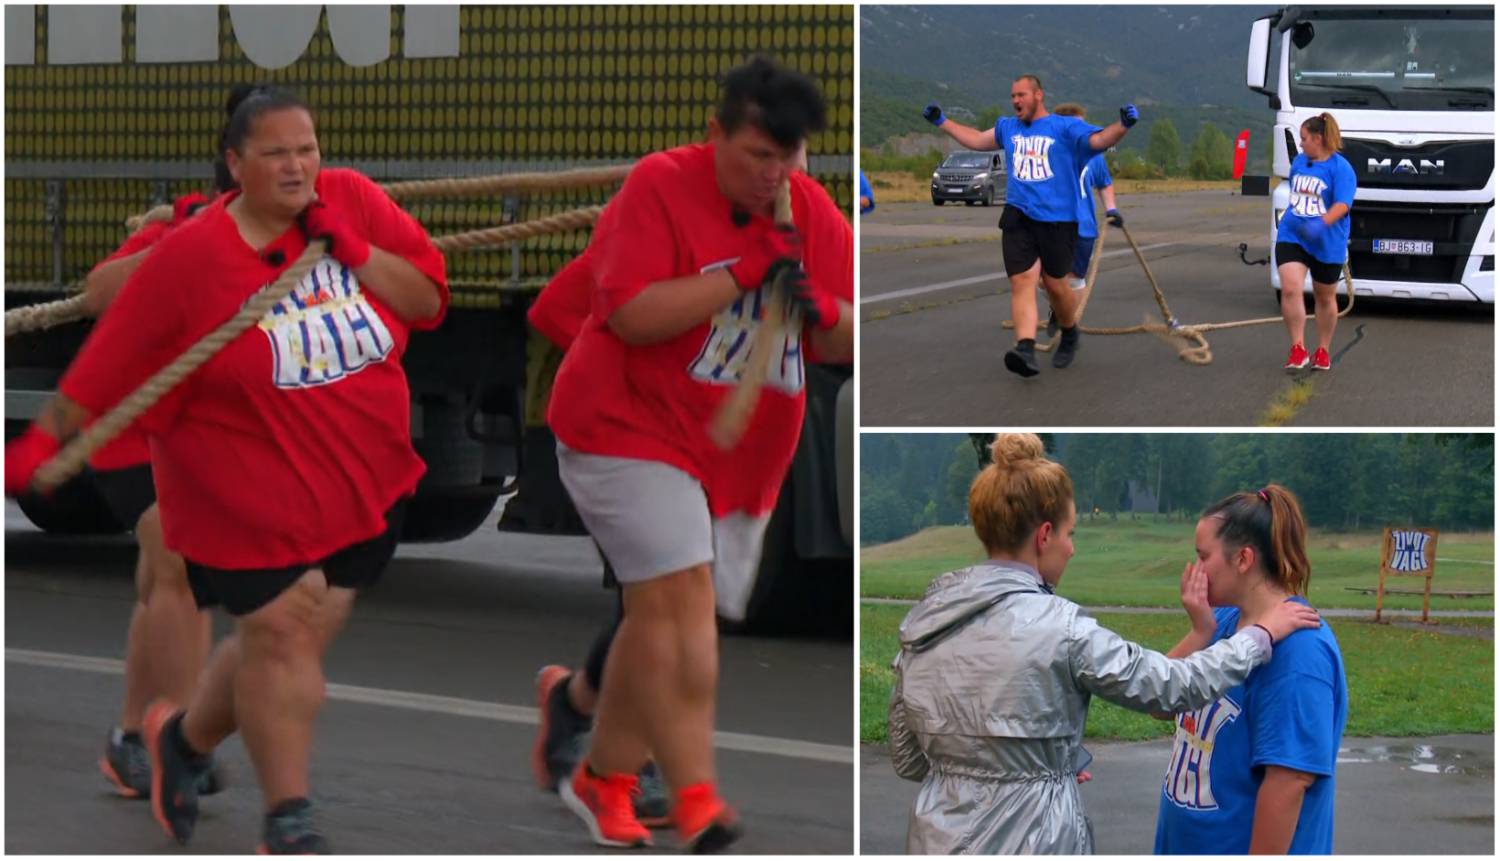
(1258, 59)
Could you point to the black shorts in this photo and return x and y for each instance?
(243, 591)
(1322, 273)
(1025, 239)
(128, 492)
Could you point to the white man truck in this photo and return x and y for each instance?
(1413, 92)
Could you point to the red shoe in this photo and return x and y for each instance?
(1321, 361)
(704, 822)
(607, 806)
(1297, 358)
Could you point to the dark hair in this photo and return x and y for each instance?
(785, 104)
(245, 104)
(1326, 127)
(1268, 521)
(1033, 79)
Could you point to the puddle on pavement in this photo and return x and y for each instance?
(1424, 758)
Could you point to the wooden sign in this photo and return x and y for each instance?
(1408, 552)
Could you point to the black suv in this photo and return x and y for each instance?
(973, 177)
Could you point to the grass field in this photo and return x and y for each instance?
(896, 187)
(1401, 682)
(1138, 563)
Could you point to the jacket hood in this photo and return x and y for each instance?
(958, 596)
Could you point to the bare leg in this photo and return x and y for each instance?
(1023, 301)
(177, 634)
(1064, 300)
(1293, 309)
(1327, 305)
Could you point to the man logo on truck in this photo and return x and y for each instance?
(1404, 167)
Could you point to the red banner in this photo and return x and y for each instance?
(1241, 149)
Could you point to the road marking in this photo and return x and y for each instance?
(736, 741)
(980, 279)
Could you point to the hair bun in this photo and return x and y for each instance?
(1009, 448)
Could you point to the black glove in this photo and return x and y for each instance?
(1114, 218)
(933, 113)
(1129, 116)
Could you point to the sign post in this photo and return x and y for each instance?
(1410, 552)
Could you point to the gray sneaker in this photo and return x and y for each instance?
(127, 765)
(290, 830)
(653, 806)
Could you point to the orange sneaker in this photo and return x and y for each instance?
(555, 752)
(704, 822)
(1320, 360)
(1297, 358)
(607, 806)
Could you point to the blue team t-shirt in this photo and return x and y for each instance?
(1095, 175)
(1045, 158)
(866, 192)
(1289, 712)
(1316, 186)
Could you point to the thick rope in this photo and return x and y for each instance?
(562, 222)
(472, 186)
(1197, 351)
(30, 318)
(68, 462)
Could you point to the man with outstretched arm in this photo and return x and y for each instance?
(1045, 154)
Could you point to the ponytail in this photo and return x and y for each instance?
(1326, 127)
(1270, 522)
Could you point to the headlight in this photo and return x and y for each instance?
(980, 177)
(1279, 213)
(934, 174)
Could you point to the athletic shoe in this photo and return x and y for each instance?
(704, 822)
(1297, 358)
(290, 830)
(1051, 323)
(653, 806)
(606, 806)
(126, 764)
(1066, 349)
(174, 777)
(560, 739)
(1320, 360)
(1021, 359)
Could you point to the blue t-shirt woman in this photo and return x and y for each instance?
(1316, 187)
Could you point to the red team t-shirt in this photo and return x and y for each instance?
(562, 306)
(655, 402)
(130, 447)
(293, 440)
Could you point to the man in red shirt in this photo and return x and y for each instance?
(681, 259)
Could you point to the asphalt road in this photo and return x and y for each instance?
(1407, 796)
(933, 297)
(423, 744)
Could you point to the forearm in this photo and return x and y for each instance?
(400, 285)
(1107, 136)
(1278, 805)
(101, 285)
(1335, 212)
(666, 309)
(62, 417)
(1108, 193)
(835, 346)
(972, 139)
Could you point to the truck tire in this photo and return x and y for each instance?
(452, 500)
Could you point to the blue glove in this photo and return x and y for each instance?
(933, 113)
(1114, 218)
(1309, 229)
(1129, 116)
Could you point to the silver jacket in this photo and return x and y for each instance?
(992, 690)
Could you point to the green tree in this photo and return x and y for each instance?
(1212, 154)
(1164, 148)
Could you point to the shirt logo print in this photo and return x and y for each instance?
(1030, 157)
(1189, 780)
(722, 358)
(1307, 195)
(324, 330)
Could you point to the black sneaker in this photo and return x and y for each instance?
(290, 830)
(126, 764)
(562, 737)
(1066, 349)
(1051, 323)
(1021, 359)
(174, 775)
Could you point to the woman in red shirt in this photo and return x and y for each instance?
(281, 465)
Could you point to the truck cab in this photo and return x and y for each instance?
(1412, 89)
(973, 177)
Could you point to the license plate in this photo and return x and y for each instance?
(955, 189)
(1403, 246)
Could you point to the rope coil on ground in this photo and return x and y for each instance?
(68, 462)
(1196, 351)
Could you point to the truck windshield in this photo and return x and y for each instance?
(967, 159)
(1416, 63)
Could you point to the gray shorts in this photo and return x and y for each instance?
(652, 519)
